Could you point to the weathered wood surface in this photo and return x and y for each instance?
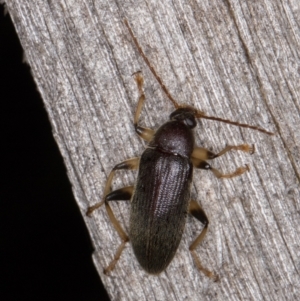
(232, 59)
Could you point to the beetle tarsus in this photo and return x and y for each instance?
(205, 271)
(117, 256)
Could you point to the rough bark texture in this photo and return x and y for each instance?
(232, 59)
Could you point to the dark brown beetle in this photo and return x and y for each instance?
(160, 199)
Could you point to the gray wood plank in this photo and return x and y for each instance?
(233, 59)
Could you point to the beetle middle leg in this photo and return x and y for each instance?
(200, 154)
(124, 193)
(130, 164)
(196, 211)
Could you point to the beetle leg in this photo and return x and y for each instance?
(204, 165)
(130, 164)
(120, 194)
(196, 211)
(138, 76)
(204, 154)
(200, 154)
(145, 133)
(124, 193)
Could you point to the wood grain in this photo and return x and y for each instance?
(232, 59)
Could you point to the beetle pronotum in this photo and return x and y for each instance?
(160, 199)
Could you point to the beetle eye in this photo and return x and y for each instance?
(190, 122)
(186, 116)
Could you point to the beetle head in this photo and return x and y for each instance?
(186, 116)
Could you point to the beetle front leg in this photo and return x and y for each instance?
(204, 154)
(196, 211)
(200, 154)
(145, 133)
(204, 165)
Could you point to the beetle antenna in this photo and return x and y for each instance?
(243, 125)
(199, 114)
(176, 105)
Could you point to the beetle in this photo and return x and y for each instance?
(160, 199)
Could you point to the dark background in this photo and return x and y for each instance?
(45, 248)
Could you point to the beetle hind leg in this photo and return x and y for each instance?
(124, 193)
(196, 211)
(117, 256)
